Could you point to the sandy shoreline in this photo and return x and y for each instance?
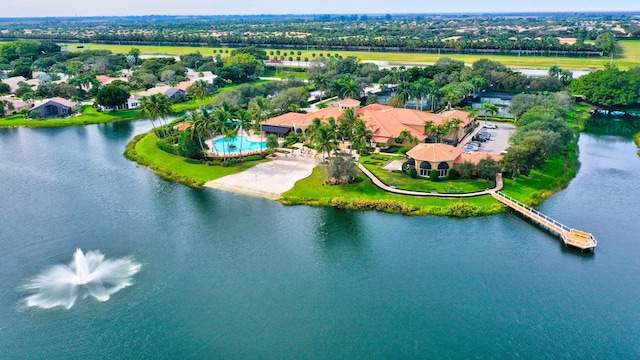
(269, 180)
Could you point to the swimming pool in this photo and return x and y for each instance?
(233, 146)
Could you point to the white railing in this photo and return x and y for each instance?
(534, 211)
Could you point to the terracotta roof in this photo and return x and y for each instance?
(154, 90)
(349, 103)
(477, 156)
(289, 119)
(184, 85)
(434, 152)
(182, 126)
(386, 122)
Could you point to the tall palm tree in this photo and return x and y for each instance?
(220, 125)
(258, 109)
(200, 90)
(361, 135)
(490, 109)
(422, 88)
(156, 106)
(346, 122)
(198, 127)
(407, 135)
(229, 135)
(323, 139)
(243, 118)
(403, 94)
(454, 127)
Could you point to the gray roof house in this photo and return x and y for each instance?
(54, 107)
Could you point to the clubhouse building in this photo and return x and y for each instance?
(386, 122)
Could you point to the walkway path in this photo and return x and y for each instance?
(390, 189)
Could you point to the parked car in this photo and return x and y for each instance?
(490, 126)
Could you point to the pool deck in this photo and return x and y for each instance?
(249, 135)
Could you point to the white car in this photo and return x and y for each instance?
(490, 126)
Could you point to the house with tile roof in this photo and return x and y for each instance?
(443, 158)
(13, 105)
(386, 122)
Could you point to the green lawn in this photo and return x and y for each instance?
(286, 74)
(310, 191)
(89, 115)
(629, 58)
(539, 185)
(177, 167)
(405, 182)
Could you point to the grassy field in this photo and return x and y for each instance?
(629, 58)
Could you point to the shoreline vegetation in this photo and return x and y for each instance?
(532, 190)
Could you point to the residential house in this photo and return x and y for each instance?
(16, 105)
(54, 107)
(14, 82)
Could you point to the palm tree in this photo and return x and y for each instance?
(347, 121)
(490, 109)
(272, 142)
(156, 106)
(200, 90)
(229, 135)
(360, 136)
(220, 125)
(422, 88)
(454, 127)
(428, 127)
(321, 83)
(258, 109)
(199, 127)
(323, 139)
(555, 71)
(403, 94)
(243, 117)
(407, 135)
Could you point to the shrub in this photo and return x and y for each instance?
(403, 150)
(453, 174)
(168, 148)
(255, 157)
(462, 210)
(433, 175)
(413, 173)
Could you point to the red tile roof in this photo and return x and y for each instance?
(434, 152)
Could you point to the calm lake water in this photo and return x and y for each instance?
(237, 277)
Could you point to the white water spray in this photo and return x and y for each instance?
(86, 275)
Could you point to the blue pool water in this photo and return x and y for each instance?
(235, 145)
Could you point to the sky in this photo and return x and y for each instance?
(41, 8)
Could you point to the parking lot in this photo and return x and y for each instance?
(499, 140)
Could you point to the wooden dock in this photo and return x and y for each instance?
(576, 238)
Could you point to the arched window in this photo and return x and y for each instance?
(443, 169)
(425, 168)
(411, 162)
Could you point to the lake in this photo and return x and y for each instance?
(231, 276)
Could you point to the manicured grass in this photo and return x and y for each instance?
(144, 151)
(286, 74)
(636, 138)
(630, 56)
(403, 181)
(541, 184)
(310, 191)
